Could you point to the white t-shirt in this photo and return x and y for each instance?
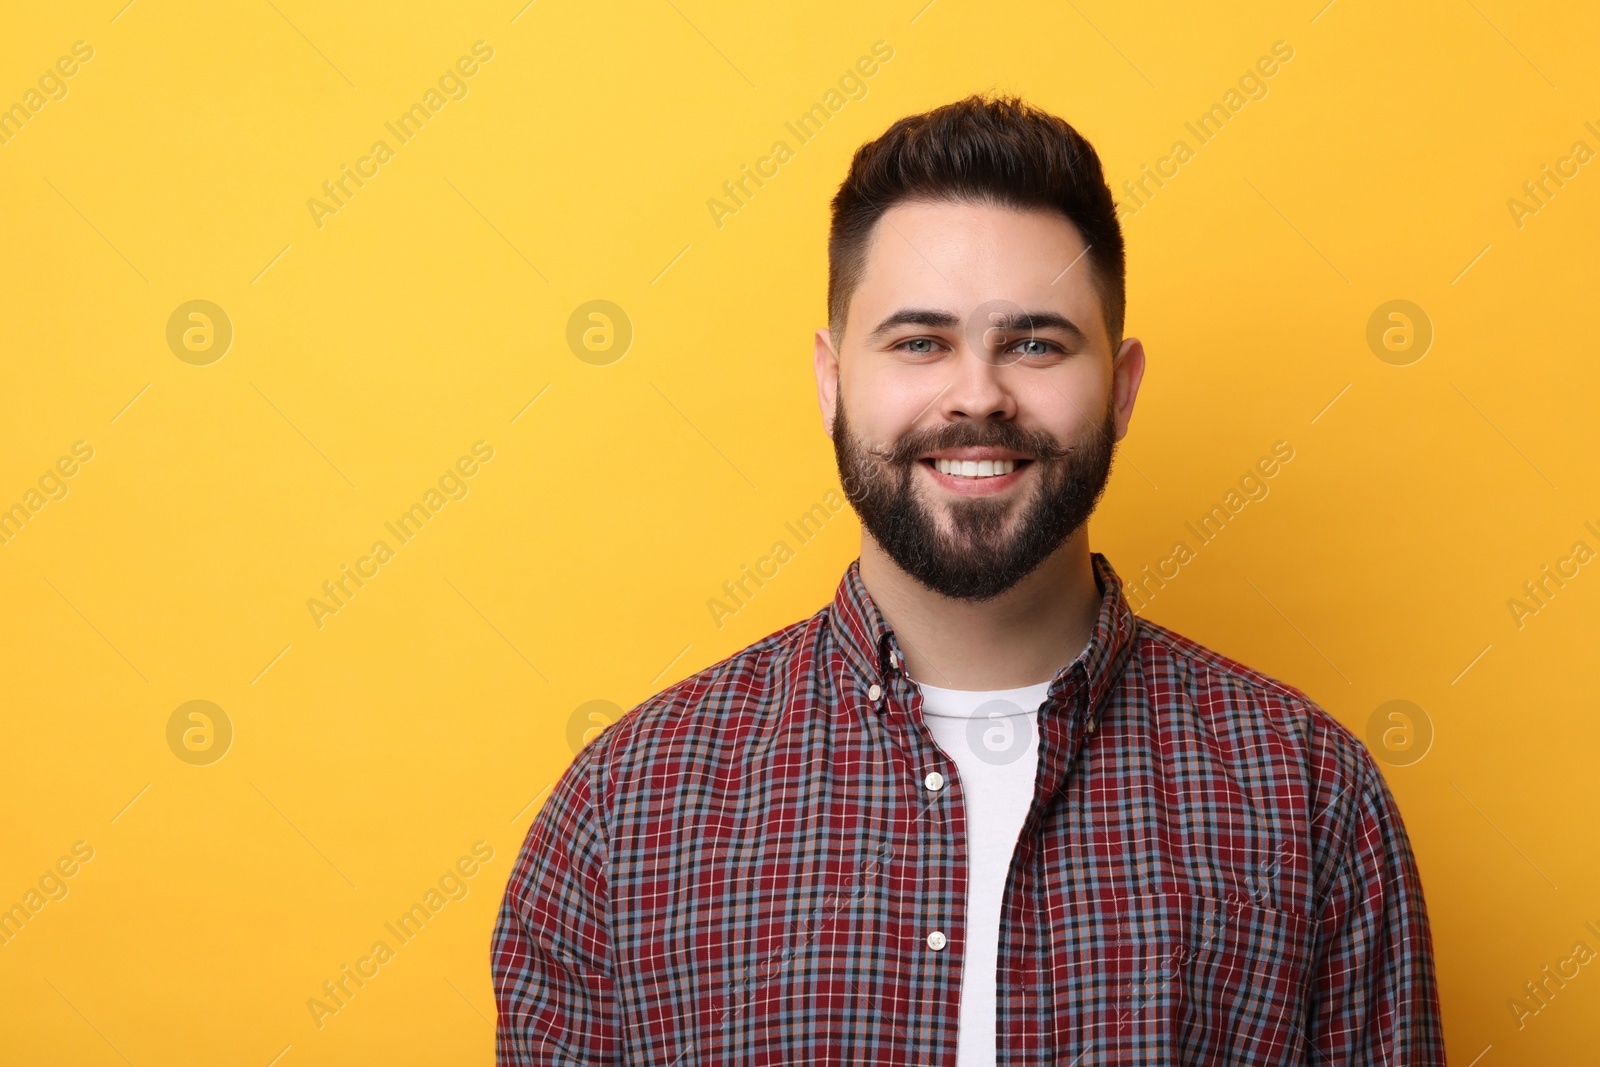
(993, 738)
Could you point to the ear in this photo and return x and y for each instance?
(1127, 371)
(826, 364)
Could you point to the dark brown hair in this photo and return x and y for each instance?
(998, 151)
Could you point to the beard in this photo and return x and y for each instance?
(987, 545)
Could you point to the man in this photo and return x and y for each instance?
(973, 811)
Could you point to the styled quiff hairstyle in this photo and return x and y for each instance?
(998, 151)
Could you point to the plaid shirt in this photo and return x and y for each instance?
(758, 866)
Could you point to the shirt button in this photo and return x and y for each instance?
(934, 781)
(937, 940)
(875, 692)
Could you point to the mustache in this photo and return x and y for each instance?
(1035, 444)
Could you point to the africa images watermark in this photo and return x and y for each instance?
(738, 192)
(51, 886)
(1188, 961)
(52, 486)
(453, 885)
(738, 590)
(1253, 486)
(452, 485)
(1252, 85)
(1540, 994)
(804, 931)
(1539, 191)
(452, 85)
(52, 86)
(1538, 592)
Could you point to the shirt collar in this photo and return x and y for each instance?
(867, 641)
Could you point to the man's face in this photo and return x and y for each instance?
(974, 401)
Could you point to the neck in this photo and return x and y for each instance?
(1022, 637)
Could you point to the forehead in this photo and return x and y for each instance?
(960, 255)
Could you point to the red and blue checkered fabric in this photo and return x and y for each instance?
(747, 869)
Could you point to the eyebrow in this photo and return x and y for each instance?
(1020, 322)
(937, 320)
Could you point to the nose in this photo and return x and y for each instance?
(977, 388)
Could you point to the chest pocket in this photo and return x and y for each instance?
(781, 976)
(1215, 980)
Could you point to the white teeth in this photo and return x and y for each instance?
(975, 468)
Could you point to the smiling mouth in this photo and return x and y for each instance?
(979, 468)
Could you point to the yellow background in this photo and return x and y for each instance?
(435, 709)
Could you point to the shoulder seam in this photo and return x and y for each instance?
(595, 773)
(777, 639)
(1319, 719)
(1216, 661)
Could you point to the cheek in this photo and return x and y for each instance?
(1086, 378)
(885, 403)
(1064, 408)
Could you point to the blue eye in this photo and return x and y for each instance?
(1042, 347)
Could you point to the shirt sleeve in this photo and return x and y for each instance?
(1374, 999)
(551, 954)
